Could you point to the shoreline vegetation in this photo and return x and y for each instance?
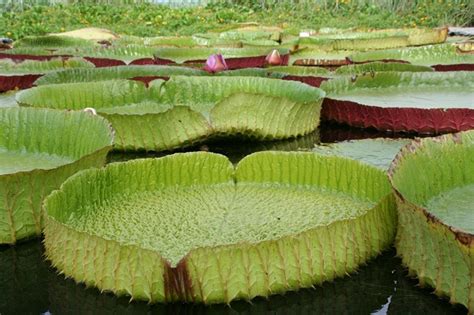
(29, 18)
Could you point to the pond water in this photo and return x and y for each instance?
(28, 285)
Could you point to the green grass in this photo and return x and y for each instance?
(150, 20)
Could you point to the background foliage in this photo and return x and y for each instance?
(27, 17)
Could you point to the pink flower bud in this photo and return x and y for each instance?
(274, 58)
(215, 63)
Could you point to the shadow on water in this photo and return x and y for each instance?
(29, 286)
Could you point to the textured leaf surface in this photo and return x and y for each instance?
(8, 67)
(301, 71)
(52, 41)
(422, 102)
(378, 152)
(433, 178)
(380, 39)
(318, 57)
(380, 67)
(39, 149)
(230, 233)
(184, 109)
(355, 41)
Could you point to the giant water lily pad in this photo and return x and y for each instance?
(111, 73)
(191, 227)
(440, 57)
(236, 58)
(39, 149)
(355, 41)
(378, 152)
(146, 73)
(185, 110)
(380, 39)
(416, 102)
(433, 180)
(320, 58)
(371, 67)
(313, 76)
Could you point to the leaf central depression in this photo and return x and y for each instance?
(175, 220)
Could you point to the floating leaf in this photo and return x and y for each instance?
(191, 227)
(39, 149)
(434, 183)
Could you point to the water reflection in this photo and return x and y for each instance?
(29, 286)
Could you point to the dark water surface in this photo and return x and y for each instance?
(28, 285)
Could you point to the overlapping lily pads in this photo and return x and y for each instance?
(22, 75)
(185, 110)
(413, 102)
(39, 149)
(212, 233)
(433, 180)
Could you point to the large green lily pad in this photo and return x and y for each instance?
(406, 90)
(185, 110)
(111, 73)
(212, 233)
(380, 39)
(8, 67)
(433, 179)
(430, 55)
(39, 149)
